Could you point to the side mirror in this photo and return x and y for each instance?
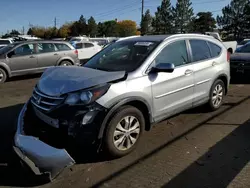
(163, 67)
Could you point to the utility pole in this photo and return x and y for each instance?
(55, 22)
(142, 9)
(23, 30)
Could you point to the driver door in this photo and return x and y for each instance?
(23, 60)
(173, 92)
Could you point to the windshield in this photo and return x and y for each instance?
(244, 42)
(122, 56)
(6, 49)
(244, 49)
(75, 40)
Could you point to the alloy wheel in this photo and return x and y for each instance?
(217, 95)
(126, 133)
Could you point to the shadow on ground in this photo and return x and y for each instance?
(220, 165)
(12, 171)
(24, 77)
(240, 79)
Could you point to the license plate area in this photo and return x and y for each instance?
(46, 119)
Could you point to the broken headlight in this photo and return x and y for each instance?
(86, 96)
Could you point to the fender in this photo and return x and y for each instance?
(6, 67)
(223, 75)
(118, 105)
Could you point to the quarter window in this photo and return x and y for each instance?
(200, 50)
(79, 45)
(88, 45)
(215, 50)
(175, 53)
(62, 47)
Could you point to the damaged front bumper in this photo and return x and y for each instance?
(39, 156)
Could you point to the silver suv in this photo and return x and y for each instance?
(119, 93)
(34, 57)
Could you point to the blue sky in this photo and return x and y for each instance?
(16, 14)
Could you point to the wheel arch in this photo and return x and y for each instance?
(224, 78)
(136, 102)
(6, 69)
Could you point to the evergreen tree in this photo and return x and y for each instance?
(92, 27)
(162, 21)
(182, 16)
(235, 17)
(146, 23)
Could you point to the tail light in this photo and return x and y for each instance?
(228, 56)
(76, 52)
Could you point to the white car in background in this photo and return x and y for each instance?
(87, 49)
(5, 42)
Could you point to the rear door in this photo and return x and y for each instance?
(205, 57)
(23, 59)
(48, 55)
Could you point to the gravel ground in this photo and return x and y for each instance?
(196, 148)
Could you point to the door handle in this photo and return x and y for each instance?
(214, 63)
(188, 72)
(55, 54)
(32, 56)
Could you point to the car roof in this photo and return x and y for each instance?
(161, 38)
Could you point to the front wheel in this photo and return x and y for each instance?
(3, 76)
(217, 94)
(124, 131)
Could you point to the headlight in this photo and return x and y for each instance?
(87, 96)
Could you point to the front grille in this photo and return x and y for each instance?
(45, 102)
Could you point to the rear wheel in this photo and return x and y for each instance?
(217, 95)
(124, 131)
(3, 75)
(65, 63)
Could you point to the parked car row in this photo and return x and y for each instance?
(30, 57)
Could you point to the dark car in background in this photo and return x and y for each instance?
(240, 60)
(34, 57)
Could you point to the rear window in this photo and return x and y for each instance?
(200, 50)
(62, 47)
(88, 45)
(215, 49)
(79, 45)
(4, 42)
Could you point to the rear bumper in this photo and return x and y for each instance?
(37, 155)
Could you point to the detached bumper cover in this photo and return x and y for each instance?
(40, 157)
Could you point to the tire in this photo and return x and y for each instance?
(122, 149)
(217, 93)
(3, 75)
(65, 63)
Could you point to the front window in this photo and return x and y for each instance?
(25, 49)
(175, 53)
(122, 56)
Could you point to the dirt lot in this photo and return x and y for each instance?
(193, 149)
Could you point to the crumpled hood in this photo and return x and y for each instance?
(57, 81)
(240, 56)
